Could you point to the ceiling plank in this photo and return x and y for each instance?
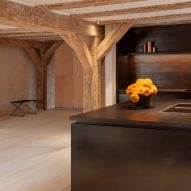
(24, 16)
(165, 7)
(137, 21)
(83, 3)
(20, 43)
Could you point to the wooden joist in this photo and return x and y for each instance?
(136, 10)
(29, 17)
(83, 3)
(20, 43)
(28, 34)
(182, 20)
(19, 33)
(21, 30)
(148, 19)
(41, 39)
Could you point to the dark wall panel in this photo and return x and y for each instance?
(171, 71)
(175, 38)
(170, 67)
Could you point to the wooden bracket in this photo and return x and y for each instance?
(50, 51)
(112, 38)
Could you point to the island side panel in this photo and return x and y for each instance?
(108, 158)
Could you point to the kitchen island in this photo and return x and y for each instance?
(119, 148)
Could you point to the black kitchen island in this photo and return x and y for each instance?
(119, 148)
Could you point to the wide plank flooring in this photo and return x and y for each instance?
(35, 152)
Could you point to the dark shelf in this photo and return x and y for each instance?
(158, 53)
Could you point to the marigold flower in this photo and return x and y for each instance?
(143, 86)
(134, 97)
(147, 92)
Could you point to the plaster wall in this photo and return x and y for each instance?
(17, 77)
(68, 79)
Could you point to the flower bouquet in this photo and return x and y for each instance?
(141, 91)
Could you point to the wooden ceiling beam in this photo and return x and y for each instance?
(83, 3)
(15, 35)
(29, 17)
(26, 34)
(41, 39)
(20, 43)
(20, 30)
(147, 9)
(137, 21)
(183, 20)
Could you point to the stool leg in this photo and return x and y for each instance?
(30, 109)
(17, 108)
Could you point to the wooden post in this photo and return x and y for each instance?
(77, 43)
(96, 81)
(90, 58)
(39, 76)
(41, 62)
(46, 58)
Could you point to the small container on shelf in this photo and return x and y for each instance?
(145, 49)
(149, 45)
(154, 49)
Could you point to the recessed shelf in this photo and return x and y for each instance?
(156, 53)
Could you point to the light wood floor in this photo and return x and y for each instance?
(35, 152)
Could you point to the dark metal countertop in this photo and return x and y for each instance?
(125, 115)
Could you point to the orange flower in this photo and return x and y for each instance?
(143, 86)
(147, 92)
(141, 90)
(134, 97)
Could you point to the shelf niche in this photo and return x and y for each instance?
(169, 67)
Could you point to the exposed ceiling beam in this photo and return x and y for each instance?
(166, 22)
(43, 39)
(135, 10)
(155, 19)
(29, 17)
(20, 43)
(83, 3)
(38, 34)
(21, 30)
